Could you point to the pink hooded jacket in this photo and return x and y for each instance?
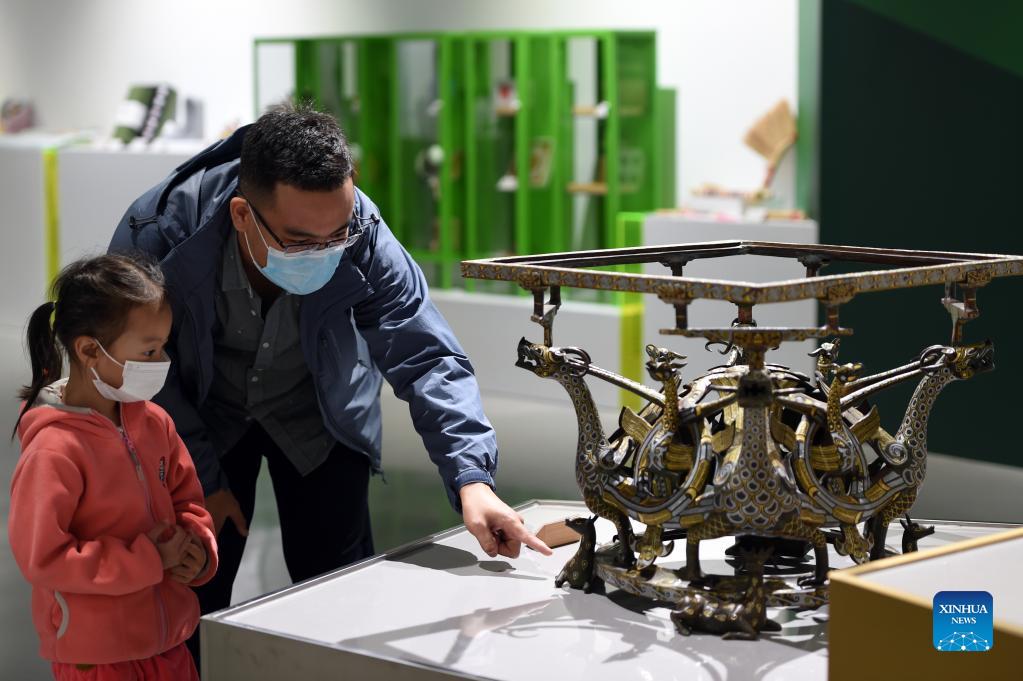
(83, 497)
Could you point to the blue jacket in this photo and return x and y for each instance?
(374, 317)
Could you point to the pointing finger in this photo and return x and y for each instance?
(519, 532)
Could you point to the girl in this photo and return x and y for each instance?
(106, 518)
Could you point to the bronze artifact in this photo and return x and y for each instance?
(748, 449)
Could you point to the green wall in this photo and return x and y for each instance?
(920, 132)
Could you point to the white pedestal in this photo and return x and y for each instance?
(26, 220)
(441, 609)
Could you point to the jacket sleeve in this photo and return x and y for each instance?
(189, 511)
(415, 349)
(45, 492)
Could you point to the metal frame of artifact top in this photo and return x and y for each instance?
(544, 275)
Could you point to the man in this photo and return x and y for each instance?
(291, 300)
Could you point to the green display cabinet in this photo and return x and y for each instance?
(510, 136)
(491, 143)
(425, 206)
(565, 130)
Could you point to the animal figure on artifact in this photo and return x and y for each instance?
(754, 492)
(738, 611)
(912, 532)
(888, 486)
(579, 570)
(567, 366)
(611, 492)
(662, 456)
(962, 363)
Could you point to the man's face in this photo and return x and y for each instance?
(294, 216)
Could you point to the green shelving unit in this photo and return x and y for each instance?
(492, 143)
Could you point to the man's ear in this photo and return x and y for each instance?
(85, 350)
(239, 209)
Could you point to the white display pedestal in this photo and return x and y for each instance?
(28, 195)
(442, 609)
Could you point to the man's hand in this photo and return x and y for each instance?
(498, 529)
(222, 505)
(192, 561)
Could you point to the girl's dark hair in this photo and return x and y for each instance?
(91, 297)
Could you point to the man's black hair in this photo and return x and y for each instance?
(297, 146)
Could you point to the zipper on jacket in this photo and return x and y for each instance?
(138, 223)
(130, 446)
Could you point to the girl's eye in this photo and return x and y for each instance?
(149, 353)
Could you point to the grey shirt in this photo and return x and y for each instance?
(260, 372)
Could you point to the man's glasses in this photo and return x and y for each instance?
(353, 231)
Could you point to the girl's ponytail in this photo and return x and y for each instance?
(47, 359)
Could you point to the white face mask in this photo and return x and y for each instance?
(141, 380)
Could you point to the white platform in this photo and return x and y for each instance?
(442, 609)
(23, 222)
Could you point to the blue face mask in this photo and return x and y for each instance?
(298, 273)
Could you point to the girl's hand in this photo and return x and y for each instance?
(193, 561)
(171, 549)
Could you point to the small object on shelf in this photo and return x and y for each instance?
(192, 125)
(772, 135)
(427, 164)
(598, 110)
(508, 182)
(557, 534)
(733, 204)
(709, 189)
(506, 100)
(16, 115)
(144, 111)
(541, 153)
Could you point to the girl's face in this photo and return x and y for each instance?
(143, 340)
